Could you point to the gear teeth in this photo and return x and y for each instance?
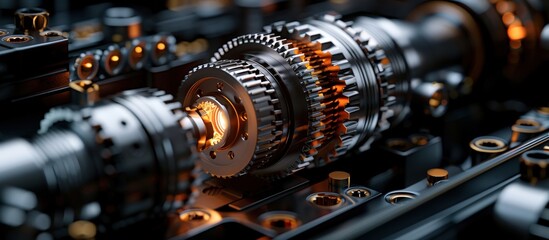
(263, 97)
(297, 60)
(331, 72)
(382, 67)
(336, 110)
(105, 145)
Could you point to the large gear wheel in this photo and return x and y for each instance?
(306, 82)
(338, 74)
(382, 66)
(342, 85)
(330, 69)
(246, 95)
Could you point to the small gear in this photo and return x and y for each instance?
(243, 77)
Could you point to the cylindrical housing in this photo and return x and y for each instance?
(112, 163)
(121, 24)
(486, 147)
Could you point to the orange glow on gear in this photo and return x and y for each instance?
(331, 90)
(218, 119)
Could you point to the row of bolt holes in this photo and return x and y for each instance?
(288, 220)
(24, 38)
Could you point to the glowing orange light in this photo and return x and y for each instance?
(508, 18)
(88, 65)
(515, 44)
(505, 6)
(138, 49)
(115, 58)
(516, 32)
(218, 118)
(161, 46)
(222, 121)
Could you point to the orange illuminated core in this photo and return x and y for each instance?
(218, 118)
(517, 32)
(138, 49)
(160, 46)
(115, 58)
(88, 65)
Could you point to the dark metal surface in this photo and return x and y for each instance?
(439, 203)
(396, 88)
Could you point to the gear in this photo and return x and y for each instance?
(338, 119)
(121, 130)
(383, 72)
(330, 68)
(339, 86)
(249, 91)
(294, 56)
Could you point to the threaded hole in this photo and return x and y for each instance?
(325, 199)
(31, 10)
(50, 34)
(488, 144)
(16, 39)
(194, 216)
(538, 155)
(399, 197)
(358, 193)
(279, 220)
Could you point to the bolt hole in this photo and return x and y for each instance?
(50, 34)
(237, 99)
(325, 199)
(194, 216)
(31, 10)
(399, 197)
(231, 154)
(358, 193)
(245, 136)
(538, 155)
(527, 123)
(123, 123)
(136, 146)
(282, 223)
(279, 220)
(213, 154)
(219, 86)
(199, 93)
(488, 144)
(16, 39)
